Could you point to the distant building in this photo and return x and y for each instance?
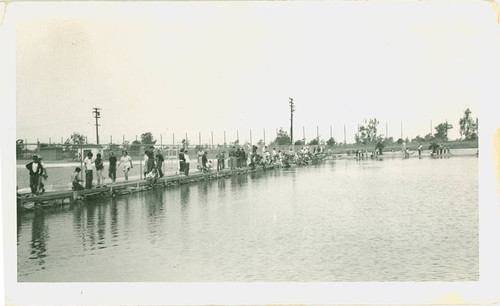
(85, 149)
(51, 153)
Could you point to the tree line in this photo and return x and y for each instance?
(367, 134)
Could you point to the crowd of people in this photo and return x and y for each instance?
(234, 158)
(97, 163)
(153, 161)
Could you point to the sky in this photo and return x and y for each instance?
(201, 67)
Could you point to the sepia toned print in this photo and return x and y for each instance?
(209, 142)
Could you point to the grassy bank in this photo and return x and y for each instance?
(336, 149)
(412, 146)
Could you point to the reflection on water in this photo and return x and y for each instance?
(39, 234)
(390, 220)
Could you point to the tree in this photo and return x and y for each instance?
(429, 137)
(468, 126)
(76, 139)
(135, 147)
(367, 132)
(185, 143)
(300, 142)
(147, 138)
(260, 143)
(314, 141)
(442, 131)
(400, 141)
(388, 140)
(73, 142)
(418, 138)
(19, 147)
(331, 141)
(282, 138)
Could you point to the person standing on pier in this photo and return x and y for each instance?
(126, 161)
(42, 175)
(182, 160)
(34, 170)
(243, 158)
(112, 167)
(199, 161)
(87, 163)
(204, 160)
(232, 157)
(237, 154)
(219, 164)
(99, 167)
(186, 163)
(159, 162)
(150, 160)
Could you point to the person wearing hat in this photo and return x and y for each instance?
(34, 169)
(159, 162)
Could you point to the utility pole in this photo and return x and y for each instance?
(292, 109)
(97, 115)
(345, 140)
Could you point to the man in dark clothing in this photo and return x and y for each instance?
(112, 167)
(243, 158)
(35, 170)
(159, 162)
(238, 158)
(151, 159)
(204, 160)
(232, 157)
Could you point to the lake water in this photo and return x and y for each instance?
(389, 220)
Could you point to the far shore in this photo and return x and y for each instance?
(335, 149)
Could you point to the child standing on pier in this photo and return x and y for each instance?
(112, 167)
(88, 170)
(126, 161)
(99, 167)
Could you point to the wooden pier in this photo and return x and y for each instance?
(26, 202)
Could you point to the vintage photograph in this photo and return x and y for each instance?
(250, 142)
